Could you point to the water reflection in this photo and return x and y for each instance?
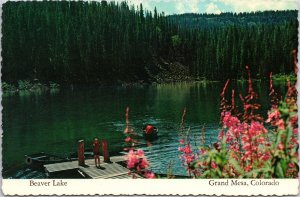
(53, 122)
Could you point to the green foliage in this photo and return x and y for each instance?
(105, 42)
(284, 77)
(208, 21)
(285, 152)
(176, 40)
(246, 147)
(24, 85)
(8, 87)
(170, 173)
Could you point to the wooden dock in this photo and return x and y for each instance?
(111, 170)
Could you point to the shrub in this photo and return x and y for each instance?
(245, 147)
(8, 87)
(24, 85)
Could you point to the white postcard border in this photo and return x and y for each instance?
(149, 187)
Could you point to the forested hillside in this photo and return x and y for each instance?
(101, 42)
(203, 20)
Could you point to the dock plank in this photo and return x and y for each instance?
(61, 166)
(110, 170)
(107, 170)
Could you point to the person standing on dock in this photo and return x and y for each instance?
(96, 152)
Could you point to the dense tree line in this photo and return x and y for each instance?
(225, 43)
(97, 42)
(224, 52)
(204, 20)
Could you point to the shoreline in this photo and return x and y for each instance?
(27, 86)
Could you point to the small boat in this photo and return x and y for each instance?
(150, 132)
(37, 160)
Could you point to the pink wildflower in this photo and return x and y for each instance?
(265, 157)
(254, 149)
(291, 165)
(294, 119)
(230, 136)
(247, 146)
(213, 165)
(140, 153)
(261, 139)
(280, 146)
(189, 158)
(132, 159)
(130, 164)
(295, 140)
(221, 135)
(247, 153)
(186, 149)
(235, 147)
(256, 128)
(203, 151)
(144, 163)
(245, 139)
(295, 131)
(280, 124)
(128, 139)
(150, 175)
(230, 121)
(274, 115)
(248, 168)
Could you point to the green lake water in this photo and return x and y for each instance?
(53, 122)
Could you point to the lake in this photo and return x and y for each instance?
(54, 121)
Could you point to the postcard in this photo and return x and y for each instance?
(150, 97)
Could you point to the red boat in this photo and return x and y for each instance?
(150, 132)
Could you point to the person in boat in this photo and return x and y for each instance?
(96, 152)
(149, 129)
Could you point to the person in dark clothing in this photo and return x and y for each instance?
(96, 152)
